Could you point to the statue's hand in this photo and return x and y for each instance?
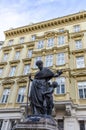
(59, 72)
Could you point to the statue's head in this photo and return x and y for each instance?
(39, 64)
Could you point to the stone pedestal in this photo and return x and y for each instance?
(37, 123)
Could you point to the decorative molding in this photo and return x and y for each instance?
(14, 62)
(46, 24)
(6, 82)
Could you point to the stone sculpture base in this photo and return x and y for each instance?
(37, 123)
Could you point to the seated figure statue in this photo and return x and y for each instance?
(41, 90)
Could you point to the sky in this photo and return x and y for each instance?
(17, 13)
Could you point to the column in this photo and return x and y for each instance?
(6, 125)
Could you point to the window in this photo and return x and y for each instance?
(1, 70)
(10, 42)
(82, 89)
(33, 37)
(78, 44)
(76, 28)
(60, 124)
(82, 125)
(17, 54)
(61, 30)
(35, 60)
(5, 95)
(21, 40)
(50, 42)
(61, 85)
(29, 54)
(61, 40)
(26, 69)
(5, 57)
(49, 60)
(80, 62)
(21, 93)
(60, 59)
(1, 122)
(40, 44)
(12, 71)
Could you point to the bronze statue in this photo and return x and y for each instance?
(41, 99)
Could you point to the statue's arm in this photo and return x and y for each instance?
(59, 72)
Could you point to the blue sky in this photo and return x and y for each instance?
(17, 13)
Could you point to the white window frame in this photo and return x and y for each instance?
(40, 44)
(33, 37)
(61, 81)
(49, 60)
(82, 86)
(21, 93)
(5, 95)
(36, 59)
(1, 71)
(12, 71)
(5, 56)
(26, 69)
(10, 42)
(76, 28)
(60, 59)
(78, 44)
(80, 63)
(21, 40)
(29, 54)
(61, 40)
(17, 55)
(50, 42)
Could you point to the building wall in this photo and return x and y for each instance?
(69, 106)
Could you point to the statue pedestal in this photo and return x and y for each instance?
(37, 123)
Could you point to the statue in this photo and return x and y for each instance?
(41, 99)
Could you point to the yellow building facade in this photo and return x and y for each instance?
(60, 44)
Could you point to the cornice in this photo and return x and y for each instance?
(18, 46)
(46, 24)
(14, 62)
(3, 63)
(7, 48)
(26, 60)
(6, 82)
(78, 51)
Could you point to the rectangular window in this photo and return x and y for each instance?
(80, 62)
(1, 70)
(35, 60)
(5, 95)
(21, 93)
(82, 125)
(78, 44)
(61, 85)
(61, 40)
(12, 71)
(17, 54)
(26, 69)
(40, 44)
(5, 57)
(76, 28)
(50, 42)
(29, 54)
(82, 90)
(60, 124)
(10, 42)
(21, 40)
(49, 60)
(60, 59)
(61, 30)
(33, 37)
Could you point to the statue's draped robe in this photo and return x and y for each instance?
(39, 85)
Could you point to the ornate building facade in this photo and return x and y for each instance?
(60, 43)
